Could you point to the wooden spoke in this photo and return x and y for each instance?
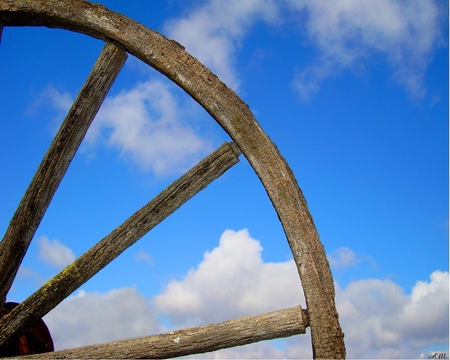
(235, 117)
(54, 165)
(276, 324)
(106, 250)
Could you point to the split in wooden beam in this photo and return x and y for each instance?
(251, 329)
(55, 163)
(111, 246)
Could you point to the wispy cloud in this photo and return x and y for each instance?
(26, 272)
(59, 101)
(214, 31)
(145, 123)
(343, 258)
(346, 32)
(51, 96)
(26, 277)
(142, 256)
(55, 253)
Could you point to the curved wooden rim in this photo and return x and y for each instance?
(170, 58)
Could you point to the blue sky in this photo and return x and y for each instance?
(354, 94)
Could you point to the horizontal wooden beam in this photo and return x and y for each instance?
(87, 265)
(251, 329)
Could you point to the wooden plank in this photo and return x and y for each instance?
(276, 324)
(55, 163)
(111, 246)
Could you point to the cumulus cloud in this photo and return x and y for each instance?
(144, 124)
(261, 350)
(55, 253)
(91, 317)
(348, 31)
(213, 31)
(379, 319)
(232, 281)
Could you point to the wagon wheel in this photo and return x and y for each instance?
(122, 35)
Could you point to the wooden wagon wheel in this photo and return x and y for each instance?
(168, 57)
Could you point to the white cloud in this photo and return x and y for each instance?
(55, 253)
(345, 33)
(378, 318)
(232, 281)
(213, 32)
(144, 124)
(26, 279)
(90, 318)
(59, 101)
(143, 256)
(28, 273)
(261, 350)
(348, 31)
(342, 258)
(50, 96)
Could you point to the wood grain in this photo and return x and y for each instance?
(169, 58)
(276, 324)
(55, 163)
(96, 258)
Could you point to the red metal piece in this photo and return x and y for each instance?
(35, 340)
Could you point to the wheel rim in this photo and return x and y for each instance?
(169, 58)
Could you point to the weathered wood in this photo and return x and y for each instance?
(55, 164)
(111, 246)
(236, 119)
(276, 324)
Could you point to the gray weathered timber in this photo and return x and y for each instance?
(55, 163)
(111, 246)
(276, 324)
(234, 116)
